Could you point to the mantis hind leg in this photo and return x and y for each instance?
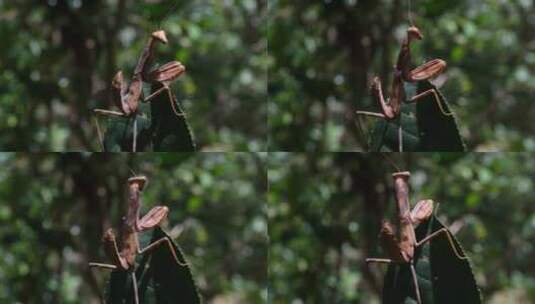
(159, 242)
(400, 137)
(450, 240)
(436, 97)
(134, 135)
(134, 285)
(165, 87)
(103, 265)
(97, 124)
(415, 283)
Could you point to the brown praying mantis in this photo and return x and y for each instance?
(128, 96)
(401, 243)
(391, 107)
(123, 255)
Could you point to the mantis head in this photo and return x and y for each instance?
(160, 36)
(428, 70)
(414, 33)
(140, 181)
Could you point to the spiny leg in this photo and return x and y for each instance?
(374, 114)
(134, 143)
(437, 100)
(159, 242)
(437, 233)
(415, 282)
(109, 112)
(134, 283)
(99, 130)
(102, 265)
(153, 218)
(156, 93)
(172, 101)
(165, 87)
(400, 137)
(374, 260)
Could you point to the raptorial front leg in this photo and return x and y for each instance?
(153, 218)
(437, 100)
(422, 211)
(112, 252)
(159, 242)
(437, 233)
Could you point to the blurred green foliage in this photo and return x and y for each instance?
(325, 212)
(324, 54)
(58, 57)
(55, 207)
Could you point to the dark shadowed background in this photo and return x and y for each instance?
(325, 53)
(55, 207)
(325, 212)
(58, 57)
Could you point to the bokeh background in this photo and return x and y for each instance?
(55, 207)
(325, 212)
(58, 57)
(325, 53)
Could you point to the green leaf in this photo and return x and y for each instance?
(385, 138)
(158, 128)
(163, 281)
(442, 277)
(170, 132)
(173, 283)
(437, 132)
(119, 134)
(424, 126)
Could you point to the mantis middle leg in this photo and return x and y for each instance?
(436, 97)
(413, 274)
(156, 244)
(438, 233)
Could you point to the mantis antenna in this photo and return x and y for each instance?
(131, 171)
(409, 12)
(171, 10)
